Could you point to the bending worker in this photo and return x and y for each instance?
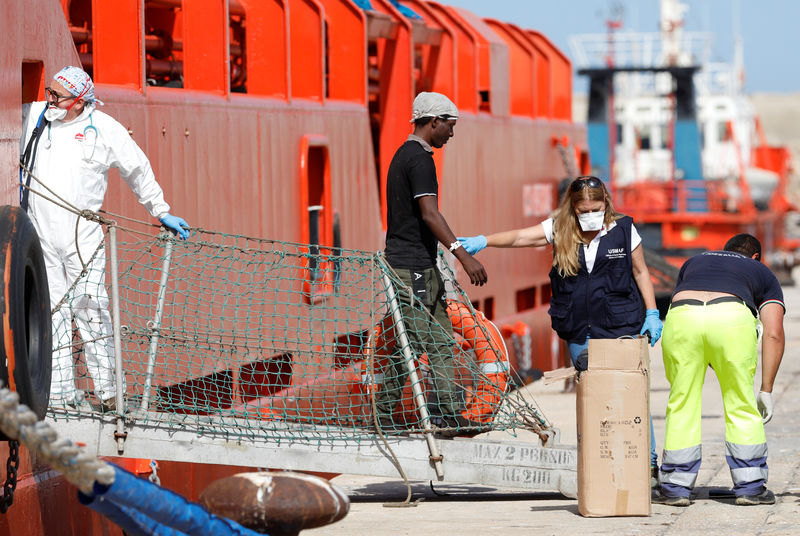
(601, 284)
(712, 321)
(69, 146)
(414, 228)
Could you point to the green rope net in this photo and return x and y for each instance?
(252, 338)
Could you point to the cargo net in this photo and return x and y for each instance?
(250, 338)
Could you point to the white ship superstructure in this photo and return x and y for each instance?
(643, 103)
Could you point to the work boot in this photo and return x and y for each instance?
(658, 497)
(458, 425)
(765, 497)
(653, 476)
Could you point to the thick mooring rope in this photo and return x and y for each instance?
(79, 467)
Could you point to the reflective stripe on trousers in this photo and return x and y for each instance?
(748, 465)
(678, 473)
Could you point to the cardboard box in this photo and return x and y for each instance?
(613, 408)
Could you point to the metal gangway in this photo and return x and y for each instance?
(236, 350)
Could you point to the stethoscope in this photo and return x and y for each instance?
(90, 132)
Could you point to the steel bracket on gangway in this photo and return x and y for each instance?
(491, 462)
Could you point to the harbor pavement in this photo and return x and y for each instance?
(468, 510)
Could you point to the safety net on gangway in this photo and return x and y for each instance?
(272, 339)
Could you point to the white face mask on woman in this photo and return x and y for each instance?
(591, 221)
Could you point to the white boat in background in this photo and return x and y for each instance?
(680, 145)
(644, 106)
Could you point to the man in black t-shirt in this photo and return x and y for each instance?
(712, 321)
(414, 228)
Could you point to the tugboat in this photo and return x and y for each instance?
(680, 143)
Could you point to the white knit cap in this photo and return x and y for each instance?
(76, 81)
(429, 104)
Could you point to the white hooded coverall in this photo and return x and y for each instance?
(74, 162)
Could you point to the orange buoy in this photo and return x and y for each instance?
(485, 339)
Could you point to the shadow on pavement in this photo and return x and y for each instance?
(571, 508)
(396, 491)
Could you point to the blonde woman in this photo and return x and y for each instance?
(601, 286)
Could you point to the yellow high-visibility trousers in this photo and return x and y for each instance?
(722, 335)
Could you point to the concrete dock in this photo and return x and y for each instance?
(468, 510)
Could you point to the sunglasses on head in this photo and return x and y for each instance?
(585, 182)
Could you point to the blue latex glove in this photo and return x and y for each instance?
(176, 225)
(653, 325)
(473, 244)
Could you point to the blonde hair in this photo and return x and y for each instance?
(567, 234)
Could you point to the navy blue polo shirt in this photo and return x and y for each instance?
(734, 273)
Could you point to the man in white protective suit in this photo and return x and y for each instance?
(68, 146)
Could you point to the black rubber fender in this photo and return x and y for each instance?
(26, 342)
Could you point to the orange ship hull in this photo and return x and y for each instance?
(305, 108)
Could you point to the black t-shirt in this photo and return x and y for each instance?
(734, 273)
(410, 244)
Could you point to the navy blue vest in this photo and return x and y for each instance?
(605, 302)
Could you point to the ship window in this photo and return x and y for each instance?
(547, 293)
(485, 105)
(526, 299)
(163, 45)
(32, 81)
(316, 210)
(317, 220)
(619, 134)
(238, 58)
(644, 138)
(488, 308)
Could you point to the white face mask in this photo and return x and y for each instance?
(55, 114)
(592, 221)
